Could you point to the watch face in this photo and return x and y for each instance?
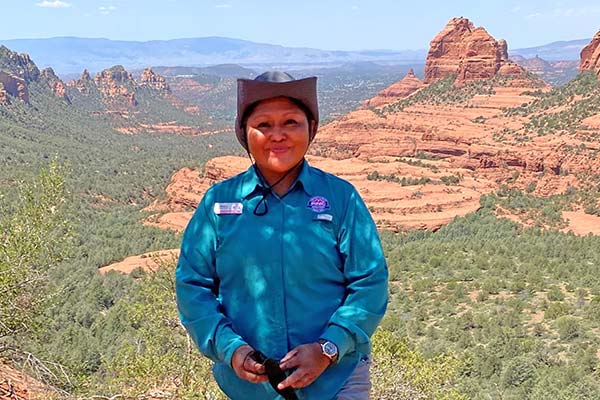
(330, 348)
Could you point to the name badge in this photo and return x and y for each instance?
(324, 217)
(228, 208)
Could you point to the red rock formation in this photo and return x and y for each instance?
(116, 84)
(153, 80)
(399, 90)
(82, 84)
(503, 47)
(116, 74)
(15, 86)
(511, 69)
(19, 65)
(56, 84)
(3, 95)
(16, 385)
(590, 56)
(462, 49)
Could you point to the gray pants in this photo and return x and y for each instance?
(358, 386)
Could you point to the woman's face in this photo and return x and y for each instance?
(277, 132)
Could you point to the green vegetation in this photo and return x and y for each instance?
(410, 181)
(33, 237)
(545, 211)
(444, 92)
(514, 303)
(418, 163)
(404, 181)
(480, 309)
(578, 99)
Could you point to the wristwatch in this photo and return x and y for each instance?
(329, 350)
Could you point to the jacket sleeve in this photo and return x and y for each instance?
(196, 287)
(366, 273)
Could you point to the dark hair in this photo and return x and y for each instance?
(250, 109)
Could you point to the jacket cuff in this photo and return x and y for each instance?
(230, 348)
(341, 338)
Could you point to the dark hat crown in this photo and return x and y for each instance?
(272, 84)
(274, 76)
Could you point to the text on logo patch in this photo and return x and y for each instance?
(318, 204)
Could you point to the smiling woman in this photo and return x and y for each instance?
(281, 279)
(277, 136)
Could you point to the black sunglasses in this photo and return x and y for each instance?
(275, 374)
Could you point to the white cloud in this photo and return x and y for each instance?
(53, 4)
(355, 7)
(572, 12)
(516, 9)
(106, 10)
(576, 12)
(223, 6)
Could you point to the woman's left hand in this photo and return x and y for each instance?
(309, 361)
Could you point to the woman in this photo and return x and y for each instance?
(282, 261)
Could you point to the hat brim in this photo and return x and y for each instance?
(250, 91)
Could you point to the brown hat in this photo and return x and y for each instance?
(274, 84)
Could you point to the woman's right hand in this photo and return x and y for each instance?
(245, 367)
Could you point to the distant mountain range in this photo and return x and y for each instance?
(68, 55)
(555, 51)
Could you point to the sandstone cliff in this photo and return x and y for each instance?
(3, 95)
(83, 83)
(115, 85)
(399, 90)
(14, 86)
(16, 71)
(56, 84)
(468, 52)
(590, 56)
(154, 81)
(19, 65)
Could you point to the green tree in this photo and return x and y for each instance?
(33, 238)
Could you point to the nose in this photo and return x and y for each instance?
(278, 133)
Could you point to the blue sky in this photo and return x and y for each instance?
(324, 24)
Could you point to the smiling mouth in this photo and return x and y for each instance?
(279, 150)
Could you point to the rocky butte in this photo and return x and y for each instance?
(399, 90)
(468, 52)
(590, 56)
(16, 71)
(11, 85)
(58, 86)
(154, 81)
(83, 83)
(113, 84)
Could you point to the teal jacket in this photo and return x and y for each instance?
(311, 267)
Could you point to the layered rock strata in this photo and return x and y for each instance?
(113, 85)
(468, 52)
(56, 84)
(590, 56)
(83, 83)
(154, 81)
(14, 86)
(398, 91)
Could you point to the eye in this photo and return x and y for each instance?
(263, 125)
(291, 121)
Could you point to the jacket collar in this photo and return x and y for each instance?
(253, 183)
